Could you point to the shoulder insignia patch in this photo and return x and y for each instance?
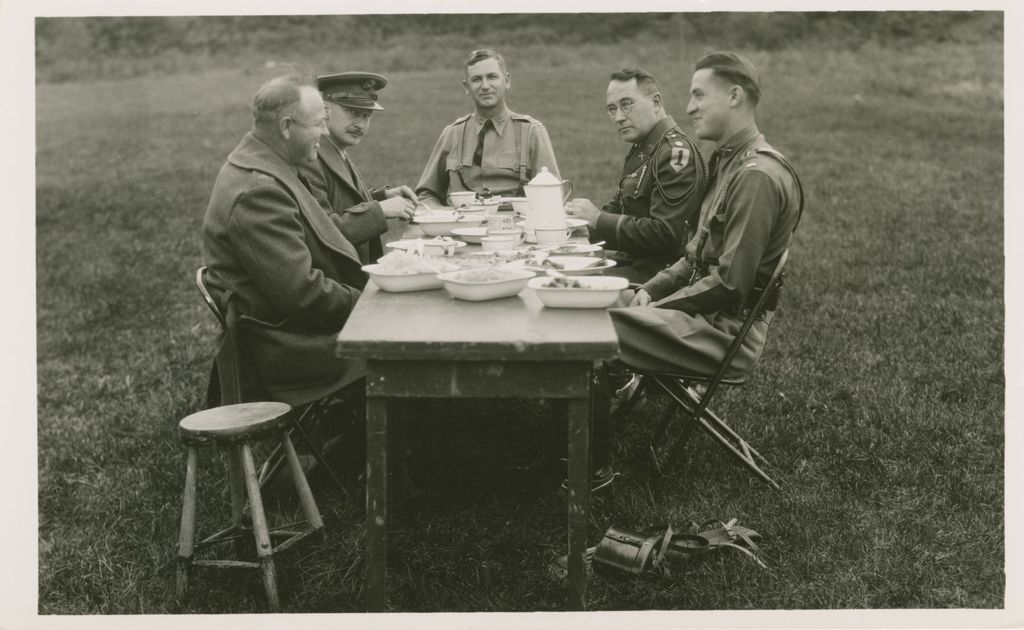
(680, 158)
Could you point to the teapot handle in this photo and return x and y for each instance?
(566, 195)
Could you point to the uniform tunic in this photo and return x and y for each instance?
(352, 206)
(515, 149)
(660, 191)
(751, 208)
(294, 278)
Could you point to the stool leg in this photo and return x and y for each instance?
(301, 485)
(236, 483)
(259, 528)
(187, 533)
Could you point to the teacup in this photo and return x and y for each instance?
(463, 198)
(439, 248)
(520, 205)
(497, 242)
(552, 235)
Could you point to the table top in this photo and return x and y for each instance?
(431, 325)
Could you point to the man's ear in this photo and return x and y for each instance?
(736, 96)
(465, 87)
(508, 80)
(284, 126)
(656, 98)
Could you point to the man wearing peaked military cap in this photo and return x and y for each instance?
(362, 214)
(493, 149)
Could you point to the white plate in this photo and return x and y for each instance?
(578, 249)
(595, 292)
(410, 245)
(570, 265)
(470, 234)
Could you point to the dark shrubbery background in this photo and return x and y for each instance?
(89, 48)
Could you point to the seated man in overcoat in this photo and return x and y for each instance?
(362, 214)
(274, 257)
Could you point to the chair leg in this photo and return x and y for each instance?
(301, 485)
(259, 528)
(186, 535)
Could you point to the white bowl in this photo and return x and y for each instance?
(595, 292)
(463, 198)
(461, 285)
(404, 282)
(519, 204)
(440, 225)
(470, 234)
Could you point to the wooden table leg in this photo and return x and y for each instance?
(376, 504)
(579, 500)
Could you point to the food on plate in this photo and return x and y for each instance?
(400, 263)
(565, 282)
(485, 274)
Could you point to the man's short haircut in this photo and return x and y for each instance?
(734, 69)
(277, 97)
(484, 53)
(645, 81)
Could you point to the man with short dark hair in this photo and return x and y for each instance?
(274, 258)
(360, 213)
(685, 318)
(661, 186)
(493, 150)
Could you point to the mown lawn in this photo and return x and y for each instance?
(879, 401)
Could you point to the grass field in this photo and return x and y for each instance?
(878, 401)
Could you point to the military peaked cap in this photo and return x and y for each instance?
(735, 67)
(352, 89)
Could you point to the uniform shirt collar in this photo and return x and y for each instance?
(654, 136)
(500, 120)
(738, 140)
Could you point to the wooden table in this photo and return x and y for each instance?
(428, 345)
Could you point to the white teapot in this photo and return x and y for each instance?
(546, 195)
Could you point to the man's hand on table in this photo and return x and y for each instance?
(641, 298)
(584, 209)
(397, 205)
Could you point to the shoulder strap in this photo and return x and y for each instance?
(522, 133)
(766, 150)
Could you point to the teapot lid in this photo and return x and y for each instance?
(545, 178)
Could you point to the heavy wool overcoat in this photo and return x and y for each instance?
(272, 250)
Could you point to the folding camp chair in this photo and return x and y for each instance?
(230, 383)
(692, 404)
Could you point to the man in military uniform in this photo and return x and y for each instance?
(493, 150)
(275, 259)
(661, 187)
(360, 213)
(685, 318)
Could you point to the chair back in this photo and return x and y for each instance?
(770, 290)
(207, 298)
(232, 379)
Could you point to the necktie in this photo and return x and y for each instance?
(478, 155)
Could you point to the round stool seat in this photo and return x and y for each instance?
(234, 423)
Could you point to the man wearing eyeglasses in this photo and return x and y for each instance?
(492, 151)
(275, 260)
(361, 213)
(661, 186)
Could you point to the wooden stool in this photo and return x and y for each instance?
(234, 427)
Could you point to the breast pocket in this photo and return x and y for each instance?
(637, 184)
